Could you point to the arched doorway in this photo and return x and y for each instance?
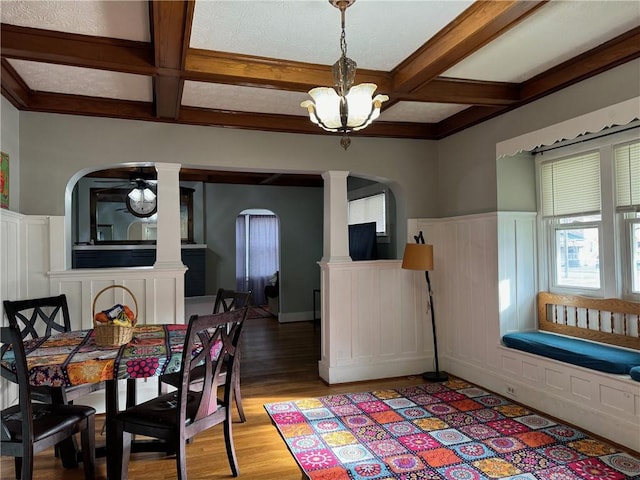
(257, 253)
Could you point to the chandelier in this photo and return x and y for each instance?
(351, 108)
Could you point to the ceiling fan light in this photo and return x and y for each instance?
(136, 194)
(148, 195)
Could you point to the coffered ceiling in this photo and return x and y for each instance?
(446, 65)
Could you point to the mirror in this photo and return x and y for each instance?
(113, 221)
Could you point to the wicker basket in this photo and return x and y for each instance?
(108, 334)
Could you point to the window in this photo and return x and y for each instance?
(571, 203)
(370, 208)
(627, 180)
(588, 204)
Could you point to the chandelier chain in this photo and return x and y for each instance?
(343, 36)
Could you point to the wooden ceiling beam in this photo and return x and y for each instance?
(248, 70)
(13, 87)
(622, 49)
(451, 90)
(90, 106)
(467, 118)
(297, 124)
(76, 50)
(470, 31)
(171, 28)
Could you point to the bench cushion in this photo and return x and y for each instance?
(596, 356)
(635, 373)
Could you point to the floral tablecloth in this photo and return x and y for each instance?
(73, 358)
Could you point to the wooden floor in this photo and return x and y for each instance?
(279, 362)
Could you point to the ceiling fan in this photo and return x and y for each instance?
(141, 199)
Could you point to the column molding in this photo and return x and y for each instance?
(168, 247)
(336, 232)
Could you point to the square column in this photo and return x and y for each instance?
(336, 232)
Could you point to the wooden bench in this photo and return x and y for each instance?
(605, 320)
(595, 333)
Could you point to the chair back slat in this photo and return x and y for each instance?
(39, 316)
(227, 300)
(211, 341)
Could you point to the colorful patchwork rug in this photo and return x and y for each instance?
(452, 431)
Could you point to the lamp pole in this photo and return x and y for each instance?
(436, 376)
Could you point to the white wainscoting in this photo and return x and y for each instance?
(374, 322)
(159, 292)
(484, 283)
(32, 266)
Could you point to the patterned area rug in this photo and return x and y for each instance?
(451, 430)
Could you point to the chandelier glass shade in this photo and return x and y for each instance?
(325, 110)
(351, 107)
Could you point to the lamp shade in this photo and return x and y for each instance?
(418, 256)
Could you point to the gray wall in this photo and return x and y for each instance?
(467, 180)
(300, 211)
(55, 148)
(516, 181)
(10, 144)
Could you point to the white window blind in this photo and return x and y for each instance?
(627, 168)
(571, 186)
(369, 209)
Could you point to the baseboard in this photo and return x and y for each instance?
(295, 317)
(598, 422)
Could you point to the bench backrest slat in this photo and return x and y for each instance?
(549, 303)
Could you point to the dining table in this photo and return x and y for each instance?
(73, 358)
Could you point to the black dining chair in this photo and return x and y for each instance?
(198, 403)
(230, 300)
(38, 317)
(28, 428)
(226, 300)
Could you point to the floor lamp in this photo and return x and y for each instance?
(418, 256)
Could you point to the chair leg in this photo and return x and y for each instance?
(235, 383)
(88, 439)
(238, 398)
(68, 452)
(17, 462)
(122, 452)
(228, 442)
(26, 462)
(181, 460)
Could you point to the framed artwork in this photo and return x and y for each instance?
(4, 181)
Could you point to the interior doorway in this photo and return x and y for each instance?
(258, 253)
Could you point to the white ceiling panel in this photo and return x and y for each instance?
(420, 112)
(559, 31)
(46, 77)
(243, 99)
(127, 20)
(380, 34)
